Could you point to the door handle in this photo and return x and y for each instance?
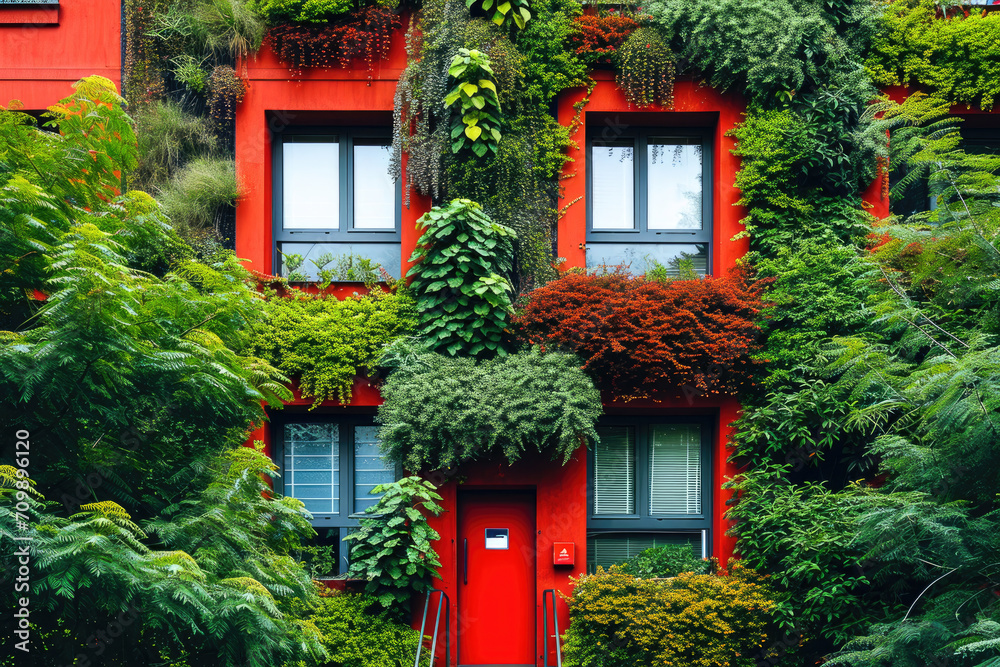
(466, 576)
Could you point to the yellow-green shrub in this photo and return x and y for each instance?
(954, 57)
(325, 342)
(691, 620)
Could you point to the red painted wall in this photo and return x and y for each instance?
(560, 516)
(46, 49)
(278, 98)
(693, 105)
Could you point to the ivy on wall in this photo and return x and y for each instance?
(517, 184)
(459, 280)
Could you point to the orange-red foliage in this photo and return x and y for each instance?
(642, 337)
(365, 33)
(600, 36)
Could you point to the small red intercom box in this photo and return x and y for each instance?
(563, 553)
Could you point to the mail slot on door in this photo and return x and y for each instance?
(563, 553)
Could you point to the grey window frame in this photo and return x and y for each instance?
(345, 233)
(346, 519)
(640, 139)
(642, 521)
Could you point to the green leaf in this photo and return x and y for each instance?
(473, 132)
(470, 89)
(479, 148)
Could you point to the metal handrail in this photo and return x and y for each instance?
(555, 627)
(445, 602)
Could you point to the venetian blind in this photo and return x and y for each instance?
(614, 471)
(675, 469)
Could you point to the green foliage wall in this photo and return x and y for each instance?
(954, 57)
(517, 186)
(324, 342)
(440, 412)
(460, 280)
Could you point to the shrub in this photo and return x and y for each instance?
(356, 633)
(617, 620)
(460, 279)
(806, 535)
(640, 336)
(646, 69)
(198, 193)
(666, 561)
(439, 411)
(954, 57)
(326, 342)
(276, 12)
(365, 33)
(599, 37)
(392, 549)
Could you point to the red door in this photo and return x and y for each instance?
(496, 578)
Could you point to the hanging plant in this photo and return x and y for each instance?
(646, 69)
(226, 91)
(506, 11)
(598, 38)
(475, 108)
(365, 33)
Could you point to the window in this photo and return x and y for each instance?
(336, 209)
(649, 485)
(649, 200)
(332, 466)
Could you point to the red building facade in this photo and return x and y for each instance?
(543, 512)
(45, 47)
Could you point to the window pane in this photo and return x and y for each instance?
(310, 185)
(370, 469)
(639, 258)
(674, 188)
(346, 262)
(613, 185)
(614, 471)
(374, 190)
(312, 466)
(675, 469)
(616, 548)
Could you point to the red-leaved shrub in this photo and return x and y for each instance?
(641, 337)
(365, 33)
(598, 37)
